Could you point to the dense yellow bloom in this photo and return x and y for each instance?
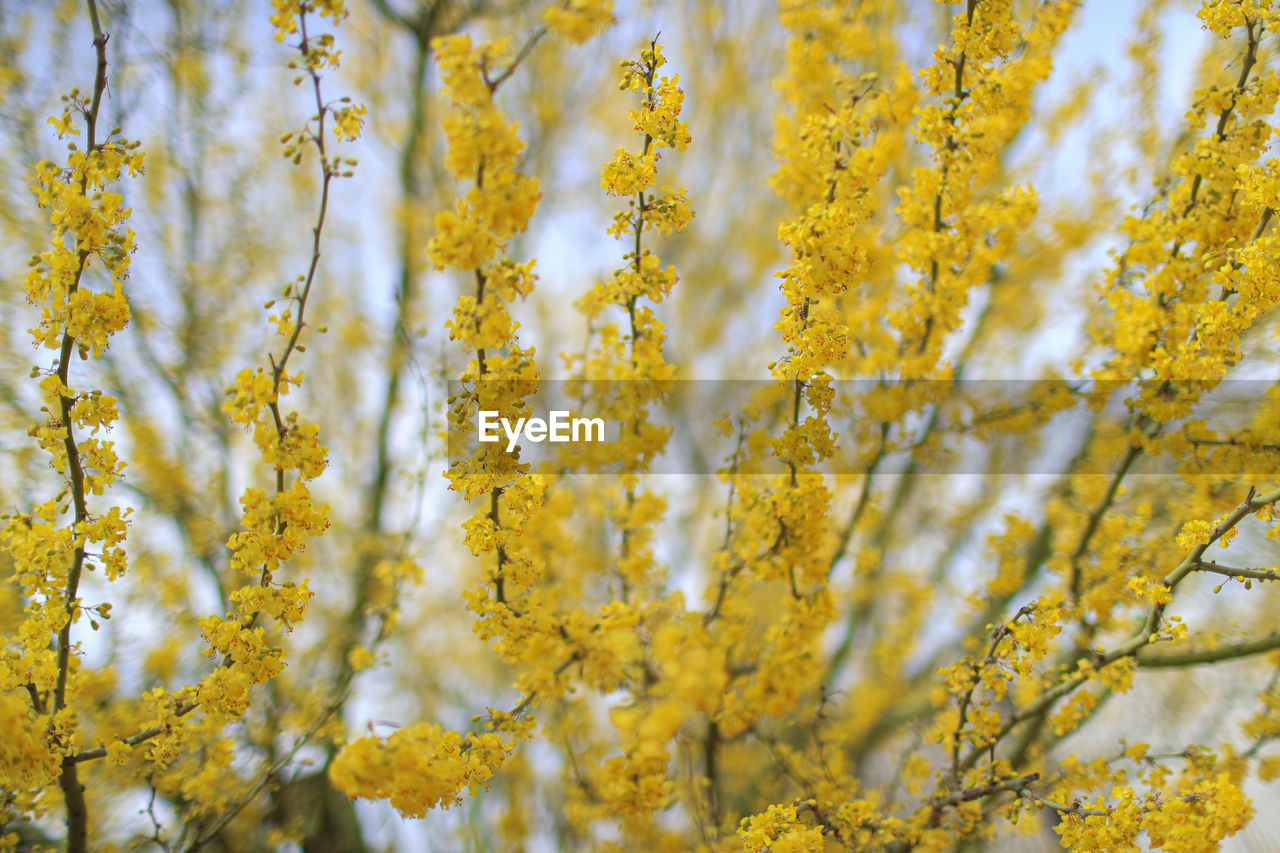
(627, 174)
(778, 829)
(578, 20)
(26, 760)
(822, 646)
(418, 767)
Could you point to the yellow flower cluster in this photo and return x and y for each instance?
(80, 206)
(1173, 322)
(27, 759)
(276, 527)
(578, 20)
(834, 152)
(40, 688)
(1223, 16)
(422, 766)
(632, 174)
(624, 374)
(289, 17)
(419, 767)
(779, 830)
(833, 148)
(483, 147)
(632, 359)
(957, 225)
(1194, 818)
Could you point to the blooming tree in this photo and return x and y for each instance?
(264, 589)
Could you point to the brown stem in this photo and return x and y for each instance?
(68, 777)
(950, 146)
